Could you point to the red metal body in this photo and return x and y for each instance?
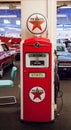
(36, 81)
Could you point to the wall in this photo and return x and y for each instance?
(29, 7)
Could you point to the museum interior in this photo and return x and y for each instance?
(35, 64)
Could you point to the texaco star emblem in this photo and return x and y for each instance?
(37, 94)
(36, 23)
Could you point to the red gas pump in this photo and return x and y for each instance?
(37, 83)
(37, 94)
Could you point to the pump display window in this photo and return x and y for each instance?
(39, 60)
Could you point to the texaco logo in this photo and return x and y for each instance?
(36, 23)
(37, 94)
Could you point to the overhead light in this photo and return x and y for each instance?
(6, 21)
(17, 22)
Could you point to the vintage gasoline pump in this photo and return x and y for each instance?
(37, 74)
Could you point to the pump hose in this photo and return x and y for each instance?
(58, 93)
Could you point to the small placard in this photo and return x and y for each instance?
(37, 75)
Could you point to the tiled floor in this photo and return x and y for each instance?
(10, 114)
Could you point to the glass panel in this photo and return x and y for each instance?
(37, 60)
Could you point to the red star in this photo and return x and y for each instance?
(37, 23)
(37, 94)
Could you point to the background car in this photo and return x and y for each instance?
(15, 45)
(66, 42)
(6, 57)
(64, 59)
(68, 45)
